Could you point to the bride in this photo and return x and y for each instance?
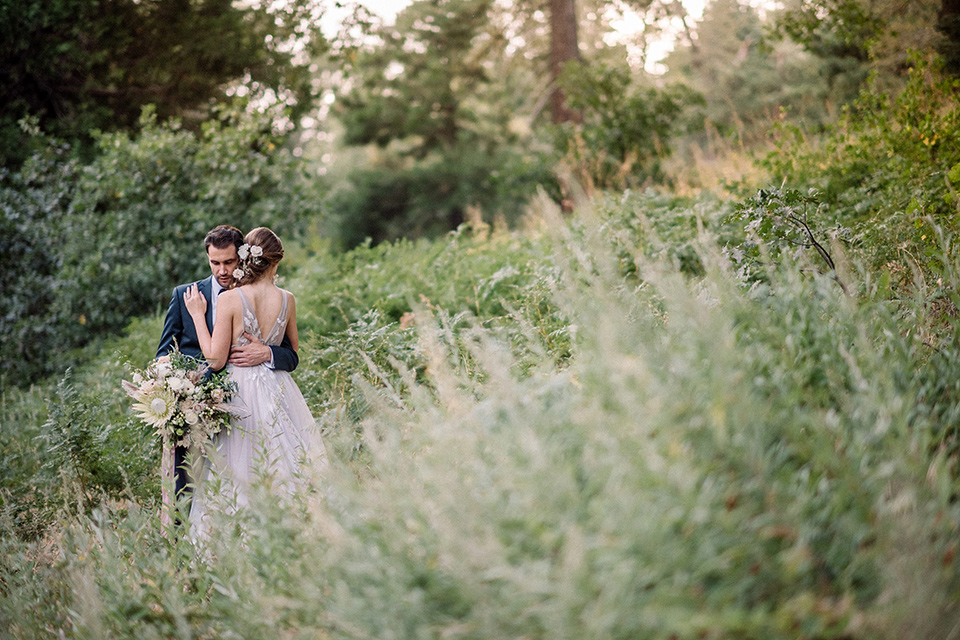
(272, 431)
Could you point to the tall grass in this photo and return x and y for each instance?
(715, 460)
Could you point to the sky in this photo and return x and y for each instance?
(388, 10)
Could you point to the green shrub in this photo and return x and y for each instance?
(33, 202)
(786, 224)
(99, 243)
(887, 170)
(74, 441)
(434, 195)
(625, 129)
(357, 311)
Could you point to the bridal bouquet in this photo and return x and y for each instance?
(180, 401)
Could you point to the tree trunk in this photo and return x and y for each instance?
(948, 24)
(563, 48)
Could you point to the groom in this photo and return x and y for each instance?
(221, 244)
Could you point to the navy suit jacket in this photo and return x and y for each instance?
(178, 327)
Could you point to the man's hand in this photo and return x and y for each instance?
(250, 355)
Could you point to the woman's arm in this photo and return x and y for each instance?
(216, 348)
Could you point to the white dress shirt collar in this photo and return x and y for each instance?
(215, 290)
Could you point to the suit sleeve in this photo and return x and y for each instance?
(284, 356)
(172, 326)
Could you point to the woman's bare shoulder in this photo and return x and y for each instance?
(229, 294)
(229, 297)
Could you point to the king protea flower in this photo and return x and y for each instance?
(156, 408)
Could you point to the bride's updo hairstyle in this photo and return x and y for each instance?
(261, 250)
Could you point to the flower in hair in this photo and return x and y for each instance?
(256, 250)
(244, 251)
(238, 274)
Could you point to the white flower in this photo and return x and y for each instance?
(191, 417)
(237, 274)
(256, 251)
(175, 383)
(244, 251)
(156, 410)
(164, 369)
(137, 379)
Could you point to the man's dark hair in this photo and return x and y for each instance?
(222, 237)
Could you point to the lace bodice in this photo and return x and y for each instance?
(250, 323)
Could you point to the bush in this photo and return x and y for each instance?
(73, 440)
(625, 129)
(99, 243)
(357, 312)
(435, 195)
(887, 171)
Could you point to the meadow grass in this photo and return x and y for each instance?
(713, 458)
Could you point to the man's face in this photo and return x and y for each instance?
(222, 263)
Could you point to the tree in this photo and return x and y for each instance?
(948, 24)
(564, 48)
(416, 81)
(80, 65)
(89, 245)
(625, 128)
(746, 80)
(427, 95)
(855, 37)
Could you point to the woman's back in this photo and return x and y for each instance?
(264, 313)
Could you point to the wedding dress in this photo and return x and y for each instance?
(271, 436)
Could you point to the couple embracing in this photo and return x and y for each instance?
(240, 319)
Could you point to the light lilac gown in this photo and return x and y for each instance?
(273, 434)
